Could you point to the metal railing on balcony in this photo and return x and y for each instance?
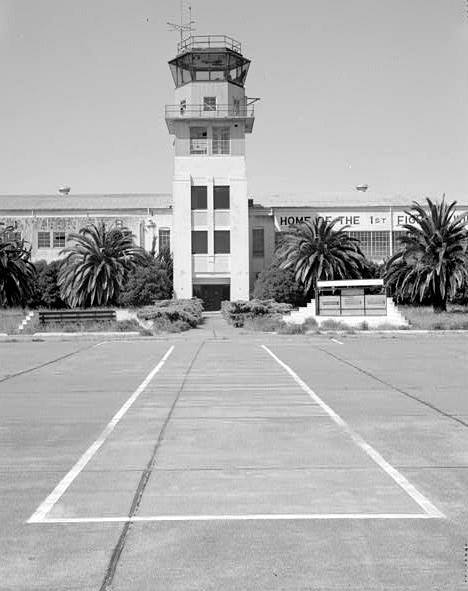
(208, 42)
(216, 112)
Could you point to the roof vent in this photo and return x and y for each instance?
(362, 188)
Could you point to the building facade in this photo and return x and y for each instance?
(220, 239)
(46, 221)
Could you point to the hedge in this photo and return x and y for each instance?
(236, 313)
(186, 313)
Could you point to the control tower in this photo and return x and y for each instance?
(209, 119)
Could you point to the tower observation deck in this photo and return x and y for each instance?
(210, 58)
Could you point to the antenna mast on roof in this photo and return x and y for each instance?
(186, 24)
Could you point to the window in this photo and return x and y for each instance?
(258, 242)
(164, 239)
(209, 103)
(10, 235)
(397, 235)
(198, 140)
(43, 240)
(222, 242)
(375, 245)
(279, 237)
(221, 140)
(199, 242)
(221, 197)
(59, 239)
(199, 197)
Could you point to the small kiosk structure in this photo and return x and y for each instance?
(353, 302)
(353, 297)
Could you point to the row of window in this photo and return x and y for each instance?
(221, 197)
(218, 144)
(58, 239)
(374, 245)
(210, 104)
(51, 239)
(222, 242)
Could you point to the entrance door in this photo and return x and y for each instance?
(212, 295)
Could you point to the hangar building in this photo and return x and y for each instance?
(221, 237)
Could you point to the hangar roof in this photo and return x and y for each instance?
(349, 199)
(85, 202)
(141, 202)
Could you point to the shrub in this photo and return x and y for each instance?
(45, 289)
(236, 313)
(275, 283)
(145, 285)
(172, 312)
(128, 325)
(17, 273)
(461, 296)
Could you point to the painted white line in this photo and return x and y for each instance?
(46, 506)
(250, 517)
(337, 341)
(418, 497)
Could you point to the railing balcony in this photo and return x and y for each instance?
(219, 112)
(209, 42)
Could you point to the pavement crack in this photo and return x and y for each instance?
(50, 362)
(138, 496)
(396, 388)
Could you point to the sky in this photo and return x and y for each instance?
(352, 91)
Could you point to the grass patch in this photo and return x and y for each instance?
(263, 323)
(334, 325)
(106, 326)
(424, 318)
(275, 323)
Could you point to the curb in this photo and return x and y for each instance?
(66, 335)
(396, 331)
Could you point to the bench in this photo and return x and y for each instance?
(86, 315)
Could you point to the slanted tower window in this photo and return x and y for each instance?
(221, 140)
(209, 103)
(198, 140)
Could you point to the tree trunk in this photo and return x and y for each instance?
(439, 303)
(439, 307)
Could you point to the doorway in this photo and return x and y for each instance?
(212, 295)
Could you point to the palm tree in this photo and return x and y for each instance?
(317, 251)
(95, 265)
(16, 270)
(433, 260)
